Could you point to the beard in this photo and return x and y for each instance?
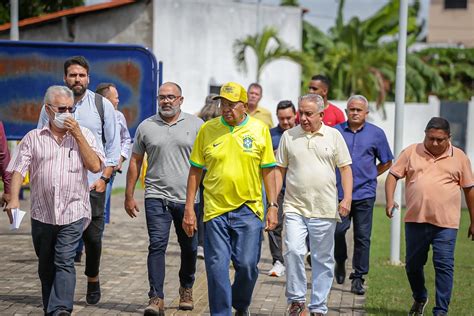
(170, 111)
(78, 90)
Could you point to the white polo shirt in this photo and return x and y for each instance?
(311, 160)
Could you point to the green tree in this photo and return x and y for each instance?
(360, 57)
(33, 8)
(268, 46)
(290, 3)
(456, 67)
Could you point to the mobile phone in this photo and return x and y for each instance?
(394, 208)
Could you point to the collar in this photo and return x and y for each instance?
(247, 117)
(86, 94)
(322, 130)
(346, 127)
(448, 153)
(160, 119)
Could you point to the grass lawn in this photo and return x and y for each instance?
(388, 289)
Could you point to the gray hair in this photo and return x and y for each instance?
(55, 91)
(358, 97)
(313, 98)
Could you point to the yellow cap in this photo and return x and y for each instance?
(233, 92)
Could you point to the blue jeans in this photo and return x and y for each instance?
(236, 236)
(419, 237)
(159, 215)
(361, 215)
(321, 236)
(108, 194)
(55, 247)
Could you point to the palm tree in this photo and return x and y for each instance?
(268, 47)
(360, 57)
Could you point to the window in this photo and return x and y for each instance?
(455, 4)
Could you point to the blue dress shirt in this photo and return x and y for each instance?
(366, 146)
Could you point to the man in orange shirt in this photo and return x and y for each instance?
(434, 171)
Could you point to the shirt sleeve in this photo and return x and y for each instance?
(343, 157)
(138, 146)
(22, 156)
(91, 140)
(467, 179)
(282, 151)
(4, 160)
(43, 118)
(125, 139)
(268, 157)
(112, 135)
(400, 167)
(383, 151)
(197, 153)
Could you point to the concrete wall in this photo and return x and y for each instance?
(193, 38)
(453, 26)
(197, 47)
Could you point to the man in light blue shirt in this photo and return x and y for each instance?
(76, 78)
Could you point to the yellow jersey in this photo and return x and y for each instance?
(233, 157)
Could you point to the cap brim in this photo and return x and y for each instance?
(218, 97)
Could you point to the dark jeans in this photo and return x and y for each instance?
(55, 247)
(276, 242)
(200, 213)
(236, 236)
(361, 215)
(419, 237)
(159, 215)
(92, 236)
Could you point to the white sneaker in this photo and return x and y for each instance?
(200, 253)
(278, 269)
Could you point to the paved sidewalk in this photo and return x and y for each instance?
(124, 279)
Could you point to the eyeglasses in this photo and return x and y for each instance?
(229, 104)
(169, 97)
(62, 108)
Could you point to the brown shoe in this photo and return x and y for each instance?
(156, 307)
(186, 299)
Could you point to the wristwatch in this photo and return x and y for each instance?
(272, 204)
(106, 180)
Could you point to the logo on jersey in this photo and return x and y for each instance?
(248, 143)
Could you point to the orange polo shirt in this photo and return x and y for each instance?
(433, 185)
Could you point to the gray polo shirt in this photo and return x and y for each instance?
(168, 147)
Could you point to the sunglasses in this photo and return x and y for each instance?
(63, 109)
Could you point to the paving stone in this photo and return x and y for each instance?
(124, 279)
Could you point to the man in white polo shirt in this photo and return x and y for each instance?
(308, 155)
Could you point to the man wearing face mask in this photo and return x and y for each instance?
(58, 156)
(167, 138)
(76, 78)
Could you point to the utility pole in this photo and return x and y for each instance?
(14, 33)
(399, 112)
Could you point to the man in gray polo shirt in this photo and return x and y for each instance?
(167, 138)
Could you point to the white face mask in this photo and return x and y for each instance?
(59, 119)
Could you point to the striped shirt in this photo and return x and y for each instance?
(58, 178)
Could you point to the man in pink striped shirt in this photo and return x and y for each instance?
(58, 157)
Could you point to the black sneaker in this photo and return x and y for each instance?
(93, 293)
(357, 286)
(418, 308)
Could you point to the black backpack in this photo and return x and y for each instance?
(99, 104)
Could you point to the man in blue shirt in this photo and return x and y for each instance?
(76, 78)
(367, 143)
(286, 114)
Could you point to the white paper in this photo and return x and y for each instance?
(17, 215)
